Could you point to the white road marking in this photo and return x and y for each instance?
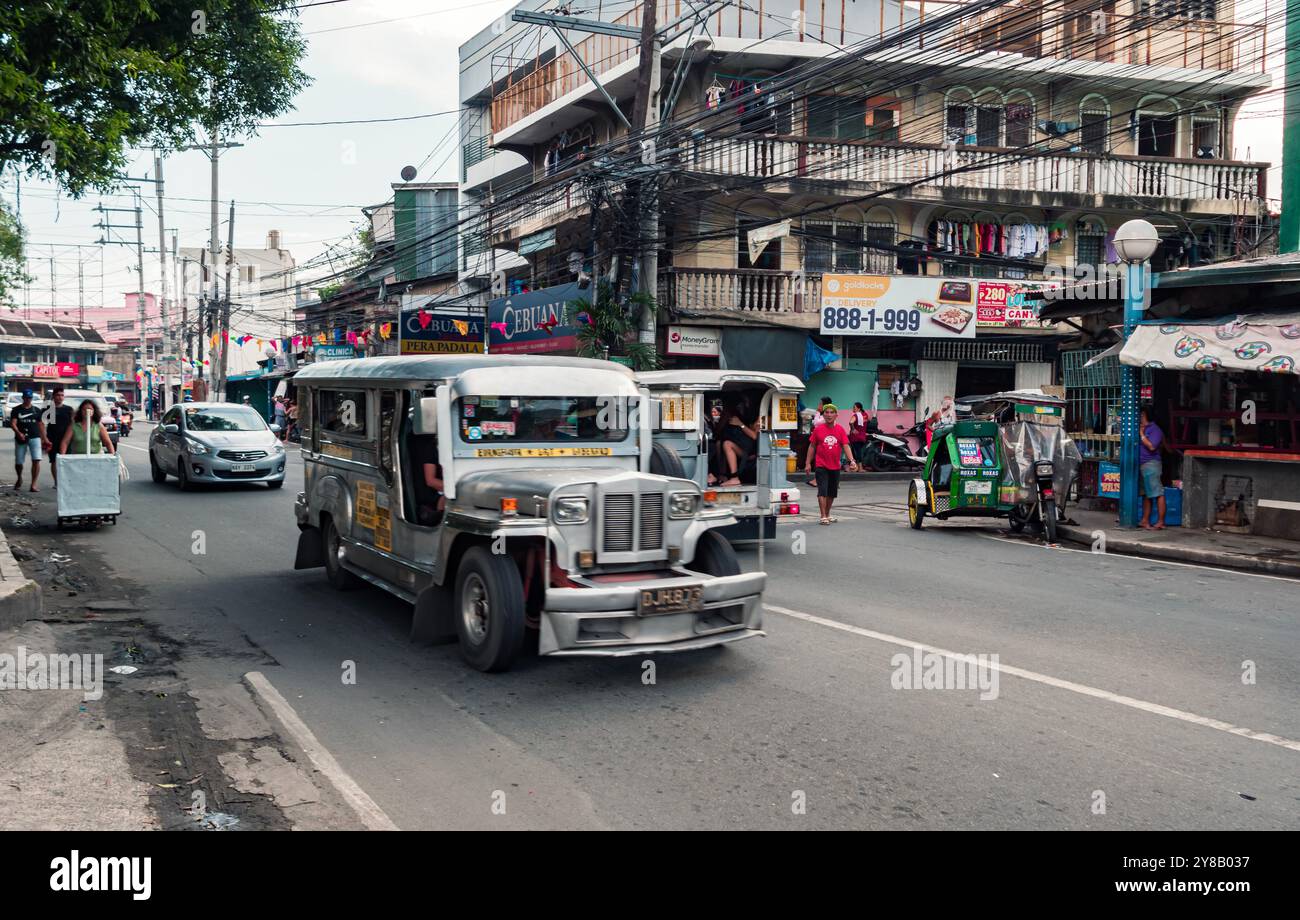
(120, 445)
(1083, 689)
(371, 815)
(1119, 555)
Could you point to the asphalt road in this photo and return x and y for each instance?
(1120, 702)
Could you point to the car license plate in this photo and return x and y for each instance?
(682, 599)
(243, 467)
(984, 487)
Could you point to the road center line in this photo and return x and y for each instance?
(1083, 689)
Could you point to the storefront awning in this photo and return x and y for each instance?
(1268, 342)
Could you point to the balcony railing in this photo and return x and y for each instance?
(934, 168)
(745, 290)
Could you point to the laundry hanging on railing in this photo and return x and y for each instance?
(976, 238)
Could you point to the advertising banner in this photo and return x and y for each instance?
(537, 322)
(427, 328)
(902, 306)
(333, 352)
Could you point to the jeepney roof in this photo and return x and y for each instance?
(418, 369)
(714, 379)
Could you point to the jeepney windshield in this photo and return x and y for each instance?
(523, 419)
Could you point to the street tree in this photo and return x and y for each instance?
(82, 82)
(610, 328)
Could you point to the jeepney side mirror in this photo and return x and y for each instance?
(425, 421)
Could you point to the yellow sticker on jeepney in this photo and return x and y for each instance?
(366, 504)
(337, 450)
(544, 452)
(384, 530)
(787, 410)
(678, 408)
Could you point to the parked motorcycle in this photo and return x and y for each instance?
(1043, 510)
(887, 454)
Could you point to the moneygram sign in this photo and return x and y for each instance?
(694, 341)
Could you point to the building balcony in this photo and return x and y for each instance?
(933, 171)
(750, 291)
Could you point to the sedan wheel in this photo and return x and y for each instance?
(156, 472)
(183, 474)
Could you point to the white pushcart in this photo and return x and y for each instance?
(89, 491)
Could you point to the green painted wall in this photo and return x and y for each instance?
(854, 383)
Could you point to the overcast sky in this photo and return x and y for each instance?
(308, 182)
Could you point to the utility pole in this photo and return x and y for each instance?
(107, 229)
(165, 402)
(1289, 229)
(645, 120)
(213, 150)
(223, 334)
(54, 285)
(187, 336)
(81, 290)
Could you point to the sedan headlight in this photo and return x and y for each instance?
(277, 449)
(195, 447)
(683, 504)
(571, 509)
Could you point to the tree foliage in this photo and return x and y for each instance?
(12, 269)
(81, 81)
(612, 328)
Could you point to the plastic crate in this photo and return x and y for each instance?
(1173, 508)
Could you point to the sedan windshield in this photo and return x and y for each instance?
(235, 418)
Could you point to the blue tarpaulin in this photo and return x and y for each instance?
(815, 358)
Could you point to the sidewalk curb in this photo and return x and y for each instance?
(1130, 547)
(20, 597)
(327, 768)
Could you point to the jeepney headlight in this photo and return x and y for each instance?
(683, 504)
(571, 509)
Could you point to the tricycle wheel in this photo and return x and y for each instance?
(1015, 521)
(1049, 521)
(915, 509)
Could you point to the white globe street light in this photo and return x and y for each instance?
(1136, 241)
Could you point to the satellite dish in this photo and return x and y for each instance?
(408, 173)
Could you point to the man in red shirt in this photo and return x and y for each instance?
(828, 446)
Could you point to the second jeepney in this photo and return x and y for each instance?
(509, 495)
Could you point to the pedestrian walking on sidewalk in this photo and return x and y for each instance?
(827, 449)
(25, 420)
(1151, 471)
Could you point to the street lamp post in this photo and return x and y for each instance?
(1135, 242)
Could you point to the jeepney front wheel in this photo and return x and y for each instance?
(714, 556)
(915, 510)
(489, 610)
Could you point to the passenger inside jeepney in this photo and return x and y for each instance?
(736, 441)
(430, 502)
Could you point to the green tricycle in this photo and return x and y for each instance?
(1010, 458)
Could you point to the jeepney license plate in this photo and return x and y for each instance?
(979, 488)
(729, 498)
(242, 467)
(656, 601)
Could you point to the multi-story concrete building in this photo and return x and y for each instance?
(263, 295)
(957, 139)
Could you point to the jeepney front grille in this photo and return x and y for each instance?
(633, 522)
(618, 517)
(652, 521)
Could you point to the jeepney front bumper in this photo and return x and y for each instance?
(602, 619)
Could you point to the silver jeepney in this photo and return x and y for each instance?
(548, 522)
(685, 442)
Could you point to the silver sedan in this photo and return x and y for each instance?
(212, 442)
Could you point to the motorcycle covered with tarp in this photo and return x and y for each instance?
(1007, 455)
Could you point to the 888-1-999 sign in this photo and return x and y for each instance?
(907, 307)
